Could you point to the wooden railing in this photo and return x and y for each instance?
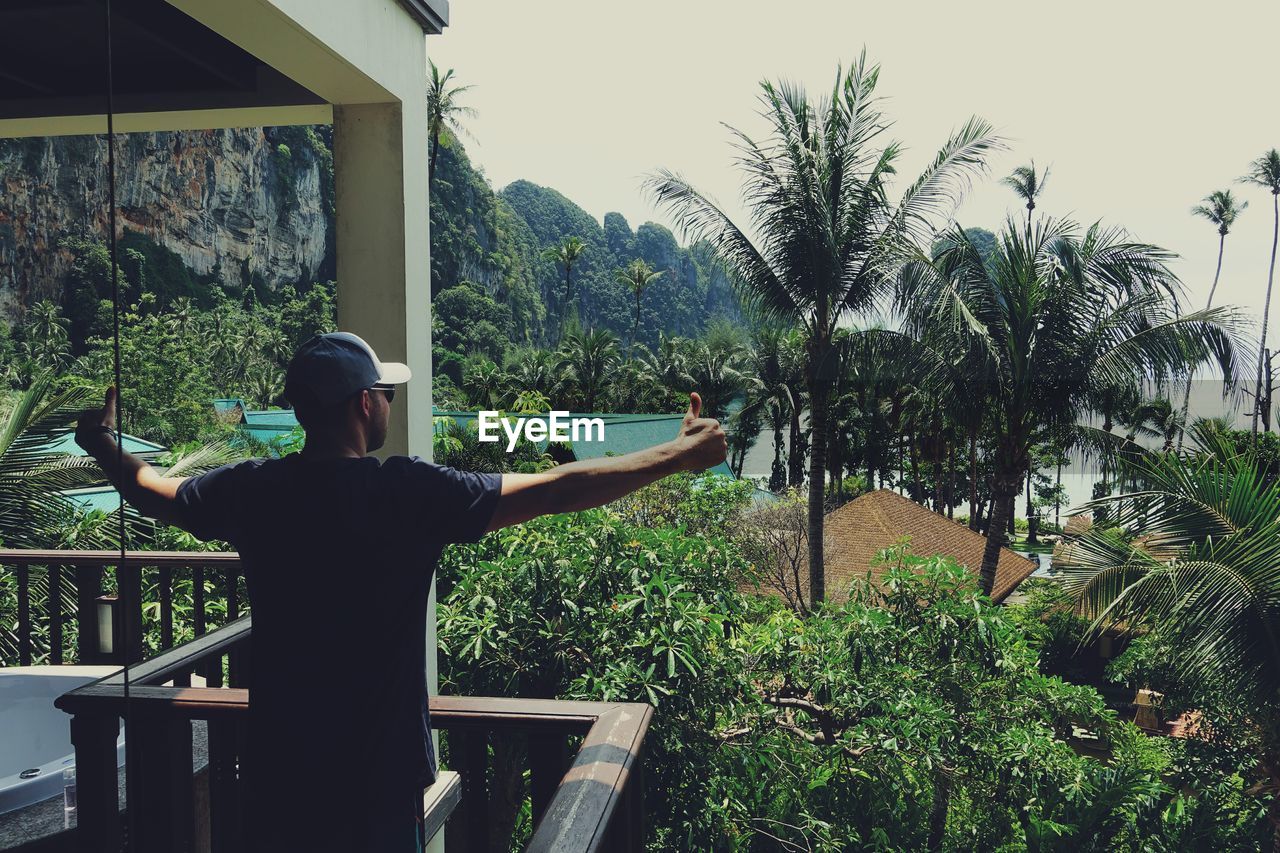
(590, 799)
(85, 571)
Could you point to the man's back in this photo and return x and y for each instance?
(338, 555)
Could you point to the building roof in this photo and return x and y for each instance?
(66, 443)
(622, 433)
(96, 499)
(283, 418)
(859, 530)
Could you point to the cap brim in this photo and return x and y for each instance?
(394, 373)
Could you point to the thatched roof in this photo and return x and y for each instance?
(859, 530)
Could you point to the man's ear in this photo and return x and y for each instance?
(364, 404)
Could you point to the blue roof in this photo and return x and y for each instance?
(225, 405)
(66, 444)
(97, 499)
(280, 418)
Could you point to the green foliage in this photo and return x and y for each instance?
(592, 607)
(467, 320)
(911, 686)
(460, 447)
(30, 477)
(707, 505)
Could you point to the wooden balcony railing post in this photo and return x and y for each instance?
(166, 607)
(159, 774)
(197, 599)
(55, 614)
(24, 614)
(88, 588)
(548, 761)
(225, 806)
(238, 663)
(97, 782)
(129, 582)
(469, 829)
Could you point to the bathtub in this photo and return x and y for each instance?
(34, 735)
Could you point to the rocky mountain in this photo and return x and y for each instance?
(254, 208)
(238, 207)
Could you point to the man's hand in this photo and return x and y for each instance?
(701, 443)
(150, 494)
(89, 432)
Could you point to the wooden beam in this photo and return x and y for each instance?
(175, 559)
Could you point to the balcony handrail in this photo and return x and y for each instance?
(86, 569)
(589, 802)
(145, 559)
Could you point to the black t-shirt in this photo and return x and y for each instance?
(338, 556)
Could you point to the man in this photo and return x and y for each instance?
(338, 551)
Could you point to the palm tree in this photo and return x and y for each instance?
(443, 112)
(667, 362)
(533, 371)
(1221, 209)
(1265, 172)
(712, 368)
(48, 344)
(1028, 185)
(590, 360)
(767, 394)
(1059, 317)
(565, 254)
(637, 276)
(635, 388)
(30, 476)
(828, 238)
(484, 382)
(181, 316)
(1197, 558)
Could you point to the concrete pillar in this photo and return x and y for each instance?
(380, 176)
(384, 285)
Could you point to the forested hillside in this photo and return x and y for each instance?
(228, 210)
(496, 241)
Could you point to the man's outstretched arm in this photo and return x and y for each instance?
(589, 483)
(149, 493)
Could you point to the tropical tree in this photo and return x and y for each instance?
(1028, 184)
(589, 360)
(1221, 209)
(1058, 317)
(713, 366)
(47, 343)
(1195, 557)
(769, 392)
(30, 475)
(565, 254)
(533, 371)
(443, 112)
(827, 238)
(1265, 172)
(637, 276)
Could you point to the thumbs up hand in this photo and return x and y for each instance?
(95, 424)
(701, 443)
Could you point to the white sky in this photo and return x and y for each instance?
(1140, 108)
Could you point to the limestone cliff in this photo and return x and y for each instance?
(238, 206)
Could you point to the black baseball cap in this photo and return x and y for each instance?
(330, 368)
